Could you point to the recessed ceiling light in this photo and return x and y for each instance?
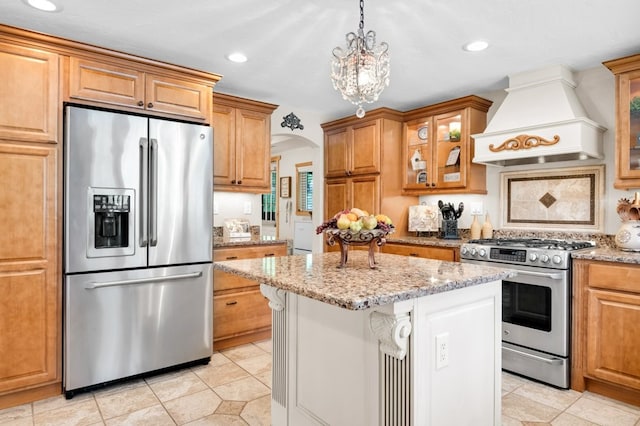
(44, 5)
(237, 57)
(475, 46)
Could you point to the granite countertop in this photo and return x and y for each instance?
(220, 242)
(607, 254)
(426, 241)
(358, 287)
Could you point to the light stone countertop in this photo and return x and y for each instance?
(607, 254)
(358, 287)
(221, 242)
(426, 241)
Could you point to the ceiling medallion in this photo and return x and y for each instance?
(524, 142)
(361, 72)
(292, 122)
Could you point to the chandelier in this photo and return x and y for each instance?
(361, 72)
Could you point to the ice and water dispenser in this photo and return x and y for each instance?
(111, 216)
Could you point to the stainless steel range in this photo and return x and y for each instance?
(536, 304)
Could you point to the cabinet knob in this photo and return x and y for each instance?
(140, 103)
(150, 105)
(233, 181)
(433, 184)
(239, 182)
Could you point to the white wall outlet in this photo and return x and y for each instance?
(216, 208)
(477, 208)
(442, 350)
(247, 207)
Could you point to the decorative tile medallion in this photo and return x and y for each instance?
(568, 199)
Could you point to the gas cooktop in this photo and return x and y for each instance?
(551, 244)
(538, 252)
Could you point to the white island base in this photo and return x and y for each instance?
(433, 360)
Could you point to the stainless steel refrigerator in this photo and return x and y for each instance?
(137, 245)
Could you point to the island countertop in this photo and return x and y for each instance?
(358, 287)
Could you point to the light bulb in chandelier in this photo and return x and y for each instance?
(361, 72)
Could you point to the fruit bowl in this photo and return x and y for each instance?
(346, 238)
(356, 227)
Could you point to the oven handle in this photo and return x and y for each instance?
(553, 276)
(552, 361)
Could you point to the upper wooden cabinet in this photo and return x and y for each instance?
(29, 94)
(627, 72)
(353, 149)
(131, 87)
(438, 147)
(362, 166)
(241, 144)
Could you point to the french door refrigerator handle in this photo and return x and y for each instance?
(153, 195)
(93, 285)
(144, 180)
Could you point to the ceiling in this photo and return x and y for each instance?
(289, 42)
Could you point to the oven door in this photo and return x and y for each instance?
(535, 310)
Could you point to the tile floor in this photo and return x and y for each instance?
(234, 389)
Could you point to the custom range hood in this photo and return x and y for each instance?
(541, 120)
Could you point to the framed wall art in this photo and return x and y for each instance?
(554, 199)
(285, 187)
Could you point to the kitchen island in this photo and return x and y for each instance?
(414, 341)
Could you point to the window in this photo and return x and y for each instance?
(269, 200)
(304, 189)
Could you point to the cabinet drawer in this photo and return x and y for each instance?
(240, 313)
(427, 252)
(615, 277)
(225, 281)
(249, 252)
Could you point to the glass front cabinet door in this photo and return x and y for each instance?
(438, 148)
(627, 73)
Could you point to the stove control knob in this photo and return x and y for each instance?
(533, 257)
(473, 252)
(544, 258)
(464, 250)
(557, 259)
(482, 252)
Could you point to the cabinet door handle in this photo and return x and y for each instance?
(413, 254)
(269, 254)
(239, 182)
(231, 257)
(150, 105)
(232, 303)
(233, 181)
(140, 103)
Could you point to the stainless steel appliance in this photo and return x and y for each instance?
(137, 245)
(536, 303)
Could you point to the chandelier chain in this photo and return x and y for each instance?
(361, 15)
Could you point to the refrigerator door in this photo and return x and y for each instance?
(180, 193)
(120, 324)
(104, 153)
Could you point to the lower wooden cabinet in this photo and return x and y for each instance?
(606, 358)
(30, 285)
(451, 254)
(241, 314)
